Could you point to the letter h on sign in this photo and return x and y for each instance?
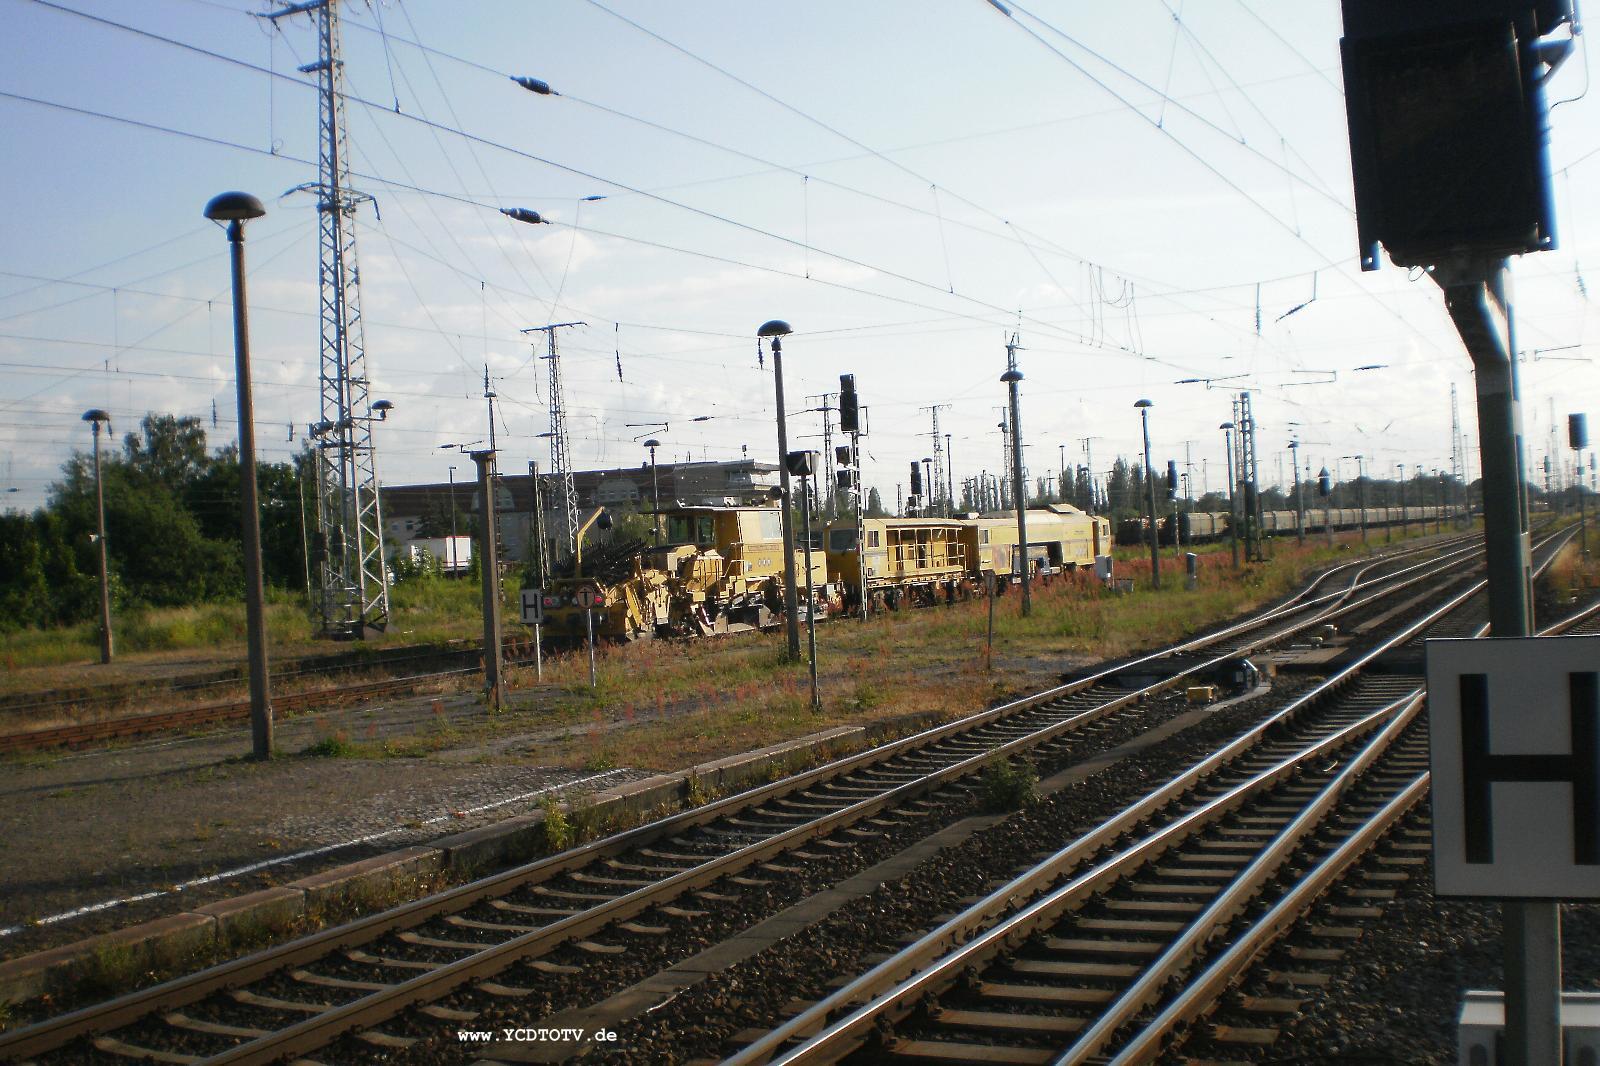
(1480, 770)
(1514, 736)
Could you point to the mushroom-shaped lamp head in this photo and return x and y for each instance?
(234, 207)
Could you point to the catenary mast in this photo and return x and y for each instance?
(352, 572)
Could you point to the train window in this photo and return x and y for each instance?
(691, 529)
(983, 536)
(842, 540)
(772, 524)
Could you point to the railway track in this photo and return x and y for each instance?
(542, 918)
(1111, 948)
(517, 651)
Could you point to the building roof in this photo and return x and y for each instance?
(688, 482)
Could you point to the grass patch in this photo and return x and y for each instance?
(336, 746)
(1008, 785)
(558, 831)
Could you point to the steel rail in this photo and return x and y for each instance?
(962, 943)
(1246, 885)
(1199, 994)
(1268, 927)
(835, 1039)
(53, 1032)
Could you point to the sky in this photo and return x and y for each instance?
(1139, 193)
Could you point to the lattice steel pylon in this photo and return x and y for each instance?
(564, 519)
(1249, 479)
(937, 493)
(354, 580)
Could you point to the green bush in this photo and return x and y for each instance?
(1008, 786)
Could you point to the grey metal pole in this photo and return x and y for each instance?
(489, 565)
(791, 599)
(949, 476)
(250, 519)
(861, 524)
(1150, 492)
(1361, 497)
(588, 621)
(811, 599)
(1019, 491)
(453, 519)
(1233, 509)
(1299, 495)
(105, 574)
(1404, 527)
(1477, 299)
(655, 496)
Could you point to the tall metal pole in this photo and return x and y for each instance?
(949, 475)
(1478, 301)
(777, 330)
(1299, 494)
(105, 574)
(489, 565)
(1361, 495)
(1404, 527)
(811, 599)
(236, 208)
(452, 519)
(1233, 508)
(655, 493)
(1150, 492)
(861, 523)
(1019, 491)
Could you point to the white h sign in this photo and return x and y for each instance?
(1514, 727)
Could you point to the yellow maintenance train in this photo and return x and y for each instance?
(720, 569)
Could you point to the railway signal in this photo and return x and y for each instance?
(1449, 152)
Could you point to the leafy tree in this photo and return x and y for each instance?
(875, 504)
(168, 451)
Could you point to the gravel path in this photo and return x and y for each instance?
(142, 818)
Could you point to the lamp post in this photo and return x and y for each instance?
(95, 417)
(453, 518)
(1233, 510)
(949, 477)
(1019, 491)
(777, 329)
(236, 208)
(655, 493)
(1361, 492)
(1404, 528)
(804, 464)
(1299, 494)
(489, 569)
(1150, 492)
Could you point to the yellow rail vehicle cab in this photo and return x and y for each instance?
(726, 567)
(903, 556)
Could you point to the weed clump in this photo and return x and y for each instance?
(337, 746)
(1008, 785)
(558, 831)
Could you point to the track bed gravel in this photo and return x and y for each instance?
(752, 994)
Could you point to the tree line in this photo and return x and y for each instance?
(172, 528)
